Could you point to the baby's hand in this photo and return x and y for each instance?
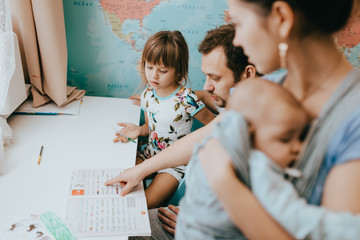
(130, 130)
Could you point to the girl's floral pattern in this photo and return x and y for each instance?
(169, 118)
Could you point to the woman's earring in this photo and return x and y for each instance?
(283, 47)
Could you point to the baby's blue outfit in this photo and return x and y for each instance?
(201, 215)
(302, 220)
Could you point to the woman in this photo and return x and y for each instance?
(298, 34)
(316, 73)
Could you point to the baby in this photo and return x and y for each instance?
(262, 122)
(260, 134)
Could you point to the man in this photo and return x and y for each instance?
(223, 65)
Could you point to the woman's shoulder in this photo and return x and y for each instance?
(343, 125)
(345, 144)
(343, 147)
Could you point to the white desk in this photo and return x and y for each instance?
(70, 141)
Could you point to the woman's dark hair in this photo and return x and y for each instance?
(321, 16)
(222, 37)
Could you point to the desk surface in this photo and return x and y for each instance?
(70, 141)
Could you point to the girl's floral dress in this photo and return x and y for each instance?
(170, 118)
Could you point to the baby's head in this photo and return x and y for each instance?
(167, 49)
(276, 120)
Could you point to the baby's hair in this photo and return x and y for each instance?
(265, 97)
(168, 48)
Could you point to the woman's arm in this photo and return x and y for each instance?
(330, 221)
(238, 201)
(302, 220)
(177, 154)
(342, 188)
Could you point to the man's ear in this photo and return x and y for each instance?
(249, 72)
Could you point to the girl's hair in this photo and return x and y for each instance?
(315, 16)
(169, 49)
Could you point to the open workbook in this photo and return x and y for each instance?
(94, 209)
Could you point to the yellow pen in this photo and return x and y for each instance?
(40, 155)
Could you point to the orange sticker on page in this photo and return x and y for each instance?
(143, 212)
(77, 192)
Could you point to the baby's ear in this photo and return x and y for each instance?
(251, 128)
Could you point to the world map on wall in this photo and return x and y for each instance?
(105, 39)
(349, 39)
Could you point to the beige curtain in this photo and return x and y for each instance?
(40, 27)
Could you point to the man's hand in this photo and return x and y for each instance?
(168, 218)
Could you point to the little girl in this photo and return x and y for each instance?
(169, 108)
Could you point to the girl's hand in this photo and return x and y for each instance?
(130, 130)
(136, 99)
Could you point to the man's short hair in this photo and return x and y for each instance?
(223, 37)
